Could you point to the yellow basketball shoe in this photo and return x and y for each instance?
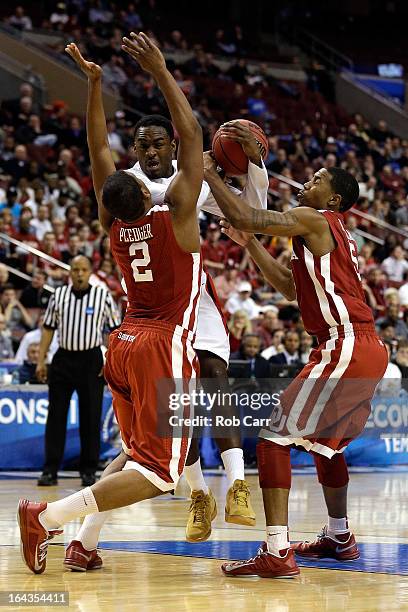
(203, 510)
(238, 507)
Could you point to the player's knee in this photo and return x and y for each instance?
(273, 465)
(332, 472)
(213, 367)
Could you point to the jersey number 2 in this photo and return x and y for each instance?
(140, 262)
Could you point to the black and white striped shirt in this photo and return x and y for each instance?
(81, 316)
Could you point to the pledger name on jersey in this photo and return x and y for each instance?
(135, 234)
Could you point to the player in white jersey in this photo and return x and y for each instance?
(149, 131)
(155, 146)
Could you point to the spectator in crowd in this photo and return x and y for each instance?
(131, 19)
(395, 265)
(222, 45)
(386, 331)
(226, 283)
(390, 385)
(392, 318)
(41, 223)
(59, 18)
(241, 300)
(4, 276)
(367, 189)
(55, 274)
(115, 140)
(268, 324)
(403, 291)
(16, 316)
(98, 14)
(11, 203)
(351, 226)
(238, 326)
(290, 354)
(377, 283)
(258, 107)
(256, 366)
(401, 360)
(20, 20)
(276, 345)
(86, 246)
(18, 165)
(114, 76)
(214, 251)
(305, 348)
(107, 275)
(6, 345)
(280, 162)
(73, 249)
(34, 337)
(34, 295)
(27, 371)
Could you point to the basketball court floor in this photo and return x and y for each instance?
(149, 566)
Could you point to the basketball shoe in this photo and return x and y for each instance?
(238, 508)
(342, 547)
(264, 564)
(203, 510)
(34, 537)
(78, 559)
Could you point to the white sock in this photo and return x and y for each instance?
(195, 478)
(233, 460)
(90, 529)
(337, 526)
(277, 538)
(64, 510)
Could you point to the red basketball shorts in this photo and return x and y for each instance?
(147, 362)
(328, 403)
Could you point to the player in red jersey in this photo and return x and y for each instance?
(154, 145)
(151, 355)
(328, 403)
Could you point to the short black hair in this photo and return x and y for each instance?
(122, 196)
(385, 324)
(156, 121)
(7, 287)
(345, 184)
(42, 272)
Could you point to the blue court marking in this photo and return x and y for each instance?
(375, 558)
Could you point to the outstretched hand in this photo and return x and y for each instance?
(240, 133)
(241, 238)
(90, 69)
(145, 52)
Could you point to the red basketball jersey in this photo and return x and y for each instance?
(162, 280)
(328, 288)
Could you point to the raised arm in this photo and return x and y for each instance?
(185, 188)
(102, 163)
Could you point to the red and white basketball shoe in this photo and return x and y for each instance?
(265, 565)
(34, 537)
(342, 547)
(78, 559)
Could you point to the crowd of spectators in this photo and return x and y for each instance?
(47, 201)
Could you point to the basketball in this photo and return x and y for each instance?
(230, 154)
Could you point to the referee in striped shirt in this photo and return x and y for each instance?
(79, 312)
